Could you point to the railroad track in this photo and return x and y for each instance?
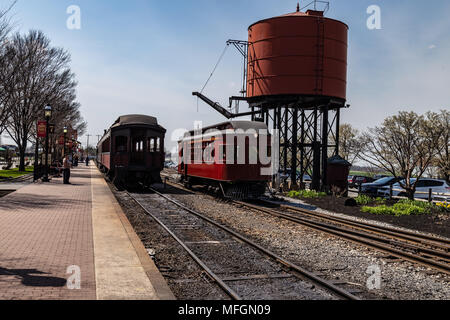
(289, 269)
(422, 252)
(431, 252)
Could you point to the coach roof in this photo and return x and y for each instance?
(135, 119)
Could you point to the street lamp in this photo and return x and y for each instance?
(48, 114)
(71, 150)
(65, 137)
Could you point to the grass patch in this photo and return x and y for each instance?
(361, 173)
(15, 173)
(308, 194)
(403, 208)
(368, 174)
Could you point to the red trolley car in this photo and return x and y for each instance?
(234, 157)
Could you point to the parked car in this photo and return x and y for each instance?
(355, 181)
(380, 176)
(440, 189)
(284, 175)
(350, 180)
(373, 187)
(169, 164)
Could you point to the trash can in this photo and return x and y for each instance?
(337, 176)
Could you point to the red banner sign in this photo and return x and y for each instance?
(42, 129)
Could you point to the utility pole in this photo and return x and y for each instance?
(87, 147)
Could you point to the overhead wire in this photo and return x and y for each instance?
(214, 70)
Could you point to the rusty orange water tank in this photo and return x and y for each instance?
(298, 54)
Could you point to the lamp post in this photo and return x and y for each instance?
(71, 150)
(48, 114)
(65, 138)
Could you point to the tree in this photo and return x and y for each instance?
(6, 71)
(442, 159)
(404, 146)
(41, 76)
(349, 142)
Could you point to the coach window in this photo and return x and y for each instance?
(106, 145)
(158, 144)
(151, 145)
(121, 144)
(138, 145)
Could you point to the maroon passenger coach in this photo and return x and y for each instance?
(132, 150)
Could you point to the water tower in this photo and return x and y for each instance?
(295, 81)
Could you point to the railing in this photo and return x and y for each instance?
(430, 195)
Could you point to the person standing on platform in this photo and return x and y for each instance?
(87, 161)
(66, 172)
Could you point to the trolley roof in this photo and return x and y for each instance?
(236, 125)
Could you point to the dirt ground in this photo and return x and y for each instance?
(437, 223)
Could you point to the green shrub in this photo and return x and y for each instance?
(401, 208)
(310, 194)
(293, 194)
(363, 200)
(380, 201)
(380, 210)
(422, 204)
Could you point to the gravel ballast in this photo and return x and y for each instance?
(334, 257)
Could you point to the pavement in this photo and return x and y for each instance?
(73, 242)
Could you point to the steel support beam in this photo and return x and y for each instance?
(325, 132)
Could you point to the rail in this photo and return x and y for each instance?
(387, 240)
(296, 270)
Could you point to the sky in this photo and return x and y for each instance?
(148, 56)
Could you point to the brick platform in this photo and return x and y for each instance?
(47, 228)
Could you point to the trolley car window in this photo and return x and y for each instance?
(158, 144)
(121, 144)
